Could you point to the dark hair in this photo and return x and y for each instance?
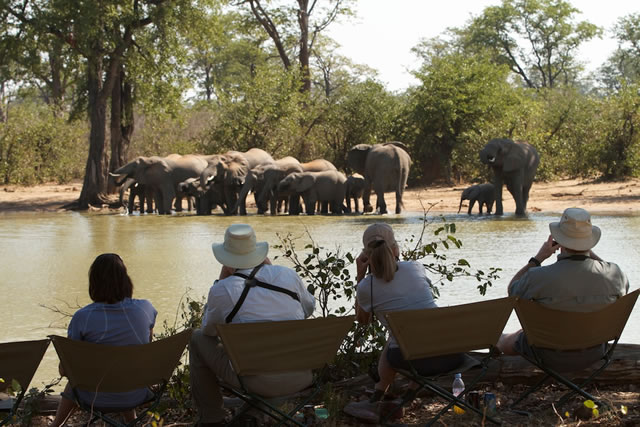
(108, 279)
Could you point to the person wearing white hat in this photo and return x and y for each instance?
(578, 281)
(276, 293)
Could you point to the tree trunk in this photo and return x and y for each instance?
(303, 22)
(94, 183)
(122, 124)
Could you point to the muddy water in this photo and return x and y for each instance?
(44, 258)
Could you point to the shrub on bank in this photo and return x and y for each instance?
(37, 146)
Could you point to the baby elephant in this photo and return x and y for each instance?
(482, 193)
(355, 189)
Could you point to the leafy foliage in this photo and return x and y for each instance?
(37, 146)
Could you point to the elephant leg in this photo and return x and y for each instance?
(471, 203)
(515, 188)
(177, 205)
(294, 204)
(273, 204)
(310, 204)
(497, 185)
(168, 194)
(525, 195)
(324, 208)
(366, 196)
(382, 205)
(480, 207)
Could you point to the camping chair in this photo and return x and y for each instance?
(277, 347)
(449, 330)
(546, 328)
(103, 368)
(19, 361)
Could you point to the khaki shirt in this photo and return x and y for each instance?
(573, 285)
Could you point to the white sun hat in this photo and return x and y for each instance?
(574, 230)
(240, 249)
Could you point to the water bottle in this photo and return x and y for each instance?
(457, 388)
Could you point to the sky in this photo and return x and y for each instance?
(384, 31)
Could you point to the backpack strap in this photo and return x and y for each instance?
(250, 282)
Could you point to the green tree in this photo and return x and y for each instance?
(624, 63)
(103, 34)
(457, 96)
(359, 113)
(537, 39)
(620, 155)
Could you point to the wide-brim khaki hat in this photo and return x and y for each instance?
(240, 249)
(575, 231)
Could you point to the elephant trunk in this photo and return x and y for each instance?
(460, 207)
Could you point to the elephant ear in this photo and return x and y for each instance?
(304, 183)
(357, 157)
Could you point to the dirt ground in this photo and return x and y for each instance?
(610, 197)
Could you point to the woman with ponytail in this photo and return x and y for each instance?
(387, 284)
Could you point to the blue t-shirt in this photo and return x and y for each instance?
(128, 322)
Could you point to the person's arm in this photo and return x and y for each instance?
(362, 265)
(546, 250)
(362, 316)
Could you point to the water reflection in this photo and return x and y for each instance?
(45, 258)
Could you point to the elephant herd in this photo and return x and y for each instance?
(225, 181)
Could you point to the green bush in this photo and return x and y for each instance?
(36, 146)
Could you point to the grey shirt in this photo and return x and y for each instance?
(572, 284)
(410, 289)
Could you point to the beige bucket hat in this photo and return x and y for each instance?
(240, 249)
(378, 231)
(574, 230)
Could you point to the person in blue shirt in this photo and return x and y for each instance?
(114, 318)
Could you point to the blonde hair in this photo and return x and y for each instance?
(382, 260)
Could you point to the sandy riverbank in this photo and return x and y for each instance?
(620, 197)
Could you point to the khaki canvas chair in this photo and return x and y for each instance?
(449, 330)
(102, 368)
(278, 347)
(19, 361)
(546, 328)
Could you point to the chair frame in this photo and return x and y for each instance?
(286, 332)
(614, 332)
(22, 362)
(491, 314)
(173, 347)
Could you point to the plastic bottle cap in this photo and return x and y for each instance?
(458, 375)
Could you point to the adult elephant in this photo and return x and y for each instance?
(328, 186)
(514, 163)
(484, 194)
(230, 170)
(162, 176)
(385, 167)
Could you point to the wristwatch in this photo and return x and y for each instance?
(534, 261)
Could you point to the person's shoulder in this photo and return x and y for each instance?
(142, 305)
(410, 265)
(88, 309)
